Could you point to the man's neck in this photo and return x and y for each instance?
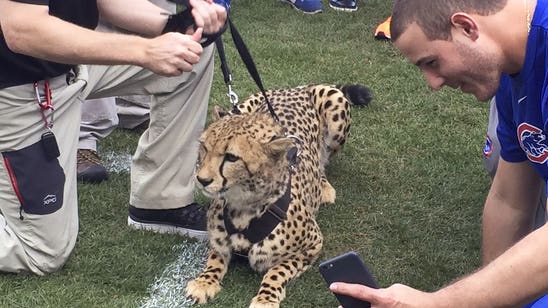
(515, 20)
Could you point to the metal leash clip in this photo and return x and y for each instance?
(45, 103)
(232, 96)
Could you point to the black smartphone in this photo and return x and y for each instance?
(349, 268)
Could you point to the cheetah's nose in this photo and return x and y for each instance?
(203, 181)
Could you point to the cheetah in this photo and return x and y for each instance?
(265, 174)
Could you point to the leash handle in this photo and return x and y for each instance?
(184, 20)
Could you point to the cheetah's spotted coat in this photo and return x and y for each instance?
(244, 166)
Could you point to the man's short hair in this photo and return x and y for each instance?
(433, 16)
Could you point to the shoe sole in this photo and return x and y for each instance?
(298, 9)
(167, 229)
(342, 9)
(91, 179)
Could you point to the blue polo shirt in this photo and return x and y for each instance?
(522, 101)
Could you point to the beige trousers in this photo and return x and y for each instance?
(38, 237)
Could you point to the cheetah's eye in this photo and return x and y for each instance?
(231, 157)
(202, 151)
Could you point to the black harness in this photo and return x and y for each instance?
(260, 227)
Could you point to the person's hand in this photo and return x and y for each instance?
(173, 53)
(397, 295)
(208, 15)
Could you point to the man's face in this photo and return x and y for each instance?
(460, 63)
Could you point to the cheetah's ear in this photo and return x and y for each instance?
(280, 146)
(218, 113)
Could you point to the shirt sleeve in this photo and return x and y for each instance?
(510, 149)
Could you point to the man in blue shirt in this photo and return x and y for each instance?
(487, 47)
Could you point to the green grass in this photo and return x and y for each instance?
(410, 183)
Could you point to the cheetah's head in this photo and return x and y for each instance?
(243, 159)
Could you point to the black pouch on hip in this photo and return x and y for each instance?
(37, 179)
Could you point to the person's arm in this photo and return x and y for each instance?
(123, 13)
(509, 210)
(29, 29)
(516, 277)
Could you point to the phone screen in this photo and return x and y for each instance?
(349, 268)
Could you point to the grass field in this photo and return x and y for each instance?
(410, 183)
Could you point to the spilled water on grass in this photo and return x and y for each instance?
(168, 289)
(116, 162)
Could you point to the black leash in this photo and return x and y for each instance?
(243, 51)
(183, 20)
(232, 96)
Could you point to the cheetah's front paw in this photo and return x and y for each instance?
(259, 302)
(201, 291)
(328, 193)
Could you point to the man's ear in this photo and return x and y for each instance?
(466, 25)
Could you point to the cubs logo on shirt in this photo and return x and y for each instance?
(488, 148)
(533, 142)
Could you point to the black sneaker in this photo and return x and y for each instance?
(89, 168)
(189, 220)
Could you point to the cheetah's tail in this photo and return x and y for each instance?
(357, 95)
